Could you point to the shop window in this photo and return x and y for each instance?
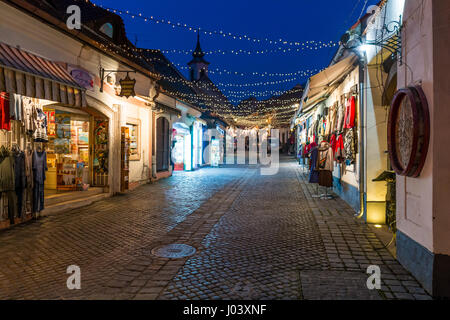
(68, 157)
(134, 126)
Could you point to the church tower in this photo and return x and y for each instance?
(198, 65)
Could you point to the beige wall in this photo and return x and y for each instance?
(422, 203)
(415, 195)
(441, 127)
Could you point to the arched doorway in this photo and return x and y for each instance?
(162, 144)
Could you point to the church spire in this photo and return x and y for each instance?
(198, 52)
(198, 65)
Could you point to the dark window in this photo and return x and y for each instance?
(107, 29)
(162, 144)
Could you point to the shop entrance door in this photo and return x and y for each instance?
(162, 144)
(100, 156)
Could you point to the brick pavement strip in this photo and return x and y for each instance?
(257, 237)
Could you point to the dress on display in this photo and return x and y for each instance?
(314, 174)
(39, 168)
(20, 179)
(7, 181)
(325, 165)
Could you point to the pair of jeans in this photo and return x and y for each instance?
(38, 197)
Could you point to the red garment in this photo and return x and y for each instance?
(339, 154)
(350, 112)
(333, 143)
(310, 146)
(5, 120)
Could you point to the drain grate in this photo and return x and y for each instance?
(174, 251)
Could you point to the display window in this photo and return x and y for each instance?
(178, 152)
(134, 133)
(182, 148)
(215, 152)
(67, 150)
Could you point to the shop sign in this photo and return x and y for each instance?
(409, 131)
(127, 87)
(82, 77)
(221, 131)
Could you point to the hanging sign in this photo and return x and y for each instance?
(127, 87)
(409, 131)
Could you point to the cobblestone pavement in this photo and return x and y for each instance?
(257, 237)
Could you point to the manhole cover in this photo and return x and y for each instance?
(174, 250)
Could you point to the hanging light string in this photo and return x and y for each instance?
(248, 52)
(220, 104)
(307, 72)
(221, 33)
(233, 94)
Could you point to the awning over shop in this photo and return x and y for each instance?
(323, 83)
(27, 74)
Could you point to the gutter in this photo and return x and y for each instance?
(362, 140)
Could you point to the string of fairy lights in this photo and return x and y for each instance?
(221, 33)
(276, 110)
(222, 107)
(299, 73)
(249, 52)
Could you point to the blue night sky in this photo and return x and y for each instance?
(297, 21)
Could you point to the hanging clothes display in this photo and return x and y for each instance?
(333, 144)
(332, 124)
(40, 133)
(29, 114)
(5, 114)
(7, 181)
(350, 147)
(16, 110)
(340, 118)
(313, 173)
(339, 154)
(325, 165)
(20, 178)
(29, 178)
(39, 168)
(350, 112)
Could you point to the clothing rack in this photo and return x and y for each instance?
(9, 139)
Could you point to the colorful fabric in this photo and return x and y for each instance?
(333, 143)
(350, 146)
(350, 113)
(5, 115)
(340, 118)
(339, 155)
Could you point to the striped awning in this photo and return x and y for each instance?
(29, 75)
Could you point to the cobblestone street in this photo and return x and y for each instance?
(257, 237)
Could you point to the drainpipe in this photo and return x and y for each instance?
(362, 142)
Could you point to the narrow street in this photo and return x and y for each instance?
(256, 237)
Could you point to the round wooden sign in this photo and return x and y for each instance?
(408, 131)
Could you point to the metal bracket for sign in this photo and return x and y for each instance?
(103, 76)
(393, 43)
